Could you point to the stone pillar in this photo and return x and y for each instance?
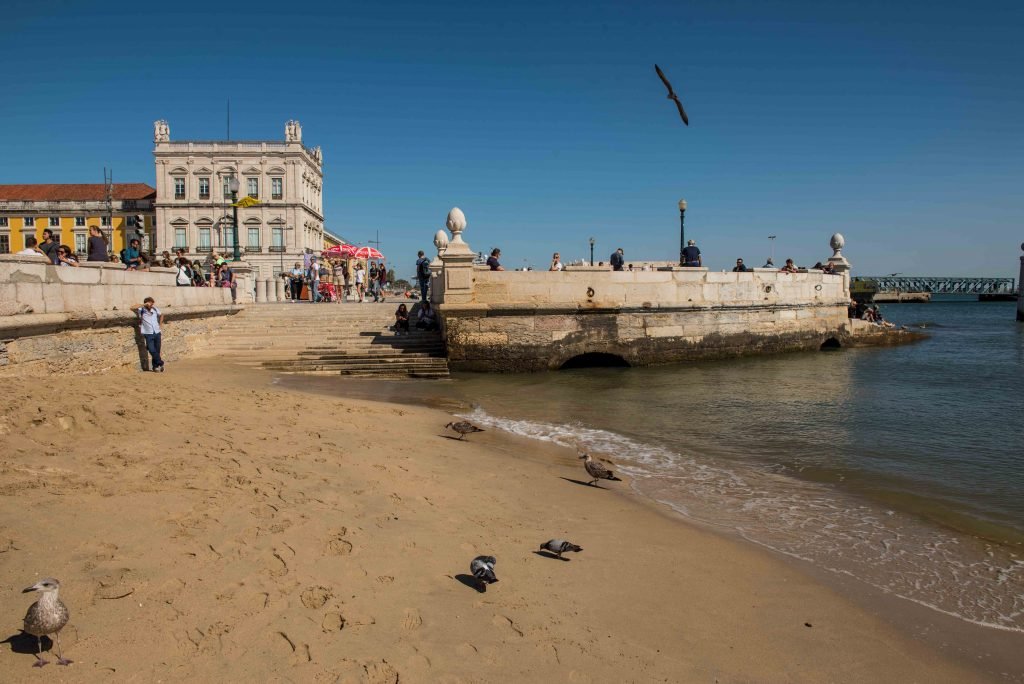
(436, 266)
(245, 279)
(279, 289)
(261, 291)
(839, 262)
(1020, 290)
(457, 264)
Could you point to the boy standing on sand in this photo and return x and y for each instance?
(150, 320)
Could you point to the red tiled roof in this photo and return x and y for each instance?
(75, 192)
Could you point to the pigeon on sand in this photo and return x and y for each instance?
(560, 546)
(46, 616)
(597, 470)
(464, 427)
(482, 568)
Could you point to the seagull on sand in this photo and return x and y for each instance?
(46, 616)
(559, 546)
(672, 95)
(597, 470)
(464, 427)
(482, 568)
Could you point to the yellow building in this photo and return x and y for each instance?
(70, 209)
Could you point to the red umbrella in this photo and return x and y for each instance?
(340, 250)
(367, 253)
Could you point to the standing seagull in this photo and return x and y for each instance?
(464, 427)
(560, 546)
(482, 568)
(672, 95)
(46, 616)
(597, 470)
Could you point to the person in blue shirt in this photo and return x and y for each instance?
(130, 256)
(150, 320)
(492, 261)
(740, 267)
(691, 255)
(618, 259)
(423, 274)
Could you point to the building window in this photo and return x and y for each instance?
(79, 221)
(3, 221)
(254, 187)
(5, 243)
(179, 188)
(277, 188)
(204, 239)
(227, 188)
(80, 243)
(277, 236)
(254, 236)
(132, 222)
(29, 222)
(204, 188)
(229, 236)
(55, 221)
(106, 221)
(179, 237)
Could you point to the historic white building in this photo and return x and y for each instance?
(193, 197)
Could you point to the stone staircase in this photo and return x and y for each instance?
(329, 339)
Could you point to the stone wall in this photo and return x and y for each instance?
(63, 319)
(529, 321)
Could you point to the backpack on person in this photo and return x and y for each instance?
(423, 269)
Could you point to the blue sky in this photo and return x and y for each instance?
(897, 124)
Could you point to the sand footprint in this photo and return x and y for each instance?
(332, 622)
(337, 545)
(315, 597)
(412, 620)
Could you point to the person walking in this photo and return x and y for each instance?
(360, 281)
(423, 274)
(314, 281)
(97, 245)
(382, 275)
(618, 259)
(374, 283)
(691, 255)
(150, 322)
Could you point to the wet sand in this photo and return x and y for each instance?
(261, 534)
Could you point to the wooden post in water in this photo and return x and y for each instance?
(1020, 289)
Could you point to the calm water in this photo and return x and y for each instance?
(902, 467)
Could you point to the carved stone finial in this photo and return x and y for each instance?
(441, 242)
(161, 131)
(456, 223)
(837, 243)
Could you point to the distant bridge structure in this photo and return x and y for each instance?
(940, 285)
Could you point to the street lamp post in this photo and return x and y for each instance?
(592, 251)
(682, 231)
(233, 184)
(771, 257)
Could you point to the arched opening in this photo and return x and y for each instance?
(595, 360)
(830, 343)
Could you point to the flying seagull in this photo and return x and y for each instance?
(482, 568)
(46, 616)
(559, 546)
(597, 470)
(672, 95)
(464, 427)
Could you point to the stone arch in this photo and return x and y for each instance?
(831, 343)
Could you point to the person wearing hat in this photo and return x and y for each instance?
(691, 255)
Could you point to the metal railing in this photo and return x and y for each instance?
(940, 285)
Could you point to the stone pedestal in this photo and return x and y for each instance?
(279, 289)
(839, 263)
(456, 275)
(261, 291)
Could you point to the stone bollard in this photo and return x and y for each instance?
(279, 289)
(1020, 290)
(261, 291)
(271, 292)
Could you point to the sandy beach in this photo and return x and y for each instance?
(207, 526)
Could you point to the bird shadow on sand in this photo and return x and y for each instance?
(548, 554)
(471, 582)
(456, 439)
(26, 643)
(584, 484)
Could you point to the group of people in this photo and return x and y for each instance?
(59, 255)
(872, 314)
(326, 280)
(426, 318)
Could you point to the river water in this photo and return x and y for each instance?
(901, 467)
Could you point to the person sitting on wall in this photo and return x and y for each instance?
(65, 257)
(130, 255)
(31, 248)
(740, 267)
(790, 267)
(828, 268)
(691, 255)
(427, 319)
(492, 261)
(851, 309)
(618, 259)
(556, 262)
(769, 263)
